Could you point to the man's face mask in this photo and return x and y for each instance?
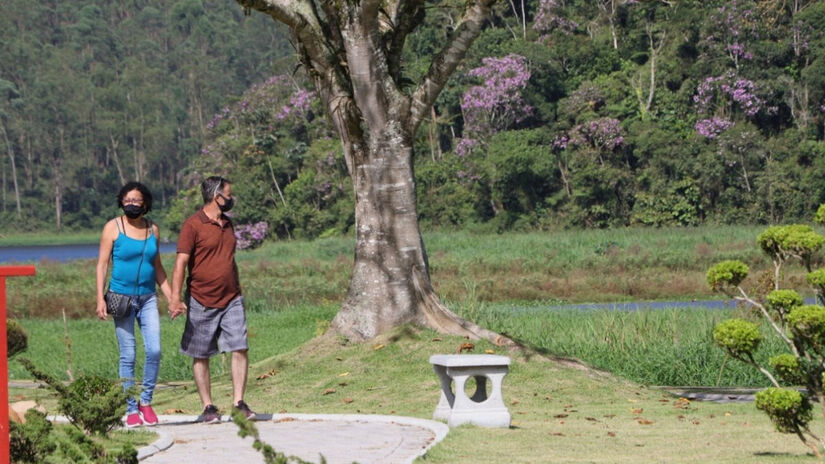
(228, 203)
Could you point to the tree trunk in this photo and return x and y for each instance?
(10, 151)
(390, 283)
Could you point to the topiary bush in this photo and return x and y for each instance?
(739, 338)
(727, 274)
(800, 326)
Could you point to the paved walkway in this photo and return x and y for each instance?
(339, 438)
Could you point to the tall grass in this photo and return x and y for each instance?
(671, 347)
(94, 345)
(565, 266)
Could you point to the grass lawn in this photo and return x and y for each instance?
(560, 413)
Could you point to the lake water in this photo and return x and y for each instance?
(33, 254)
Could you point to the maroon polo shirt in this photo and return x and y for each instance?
(213, 274)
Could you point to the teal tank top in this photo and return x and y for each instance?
(125, 261)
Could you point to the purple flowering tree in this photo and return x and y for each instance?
(719, 99)
(497, 103)
(731, 30)
(353, 51)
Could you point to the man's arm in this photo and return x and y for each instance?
(176, 306)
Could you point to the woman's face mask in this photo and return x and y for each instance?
(132, 211)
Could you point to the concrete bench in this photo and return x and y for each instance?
(454, 406)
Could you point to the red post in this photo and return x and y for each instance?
(6, 271)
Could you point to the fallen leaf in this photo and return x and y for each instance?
(637, 411)
(328, 391)
(727, 414)
(561, 422)
(680, 417)
(437, 339)
(745, 424)
(592, 419)
(173, 411)
(560, 416)
(490, 351)
(342, 384)
(348, 400)
(465, 347)
(378, 346)
(285, 419)
(695, 422)
(557, 434)
(644, 421)
(267, 374)
(343, 374)
(611, 434)
(282, 411)
(339, 359)
(514, 402)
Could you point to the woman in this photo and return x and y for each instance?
(131, 240)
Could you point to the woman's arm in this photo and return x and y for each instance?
(107, 240)
(160, 273)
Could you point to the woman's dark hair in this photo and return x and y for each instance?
(211, 186)
(147, 195)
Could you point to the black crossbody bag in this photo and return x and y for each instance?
(118, 304)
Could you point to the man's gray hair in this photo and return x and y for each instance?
(211, 186)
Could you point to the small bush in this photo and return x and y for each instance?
(788, 369)
(31, 442)
(17, 339)
(808, 324)
(783, 301)
(816, 278)
(789, 411)
(727, 274)
(91, 402)
(739, 338)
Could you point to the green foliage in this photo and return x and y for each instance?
(788, 369)
(16, 338)
(819, 217)
(738, 337)
(31, 442)
(38, 441)
(727, 274)
(92, 403)
(796, 239)
(816, 277)
(783, 301)
(807, 323)
(788, 409)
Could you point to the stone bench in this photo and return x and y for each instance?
(482, 409)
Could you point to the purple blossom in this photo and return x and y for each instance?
(725, 91)
(713, 127)
(497, 103)
(250, 235)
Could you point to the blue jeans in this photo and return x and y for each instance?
(145, 312)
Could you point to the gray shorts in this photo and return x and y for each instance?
(208, 329)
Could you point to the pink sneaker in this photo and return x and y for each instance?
(133, 420)
(148, 414)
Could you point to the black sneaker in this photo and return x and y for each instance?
(210, 415)
(244, 408)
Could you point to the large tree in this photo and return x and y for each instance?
(352, 51)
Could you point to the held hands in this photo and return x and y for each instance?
(176, 308)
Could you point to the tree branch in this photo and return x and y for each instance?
(443, 65)
(405, 18)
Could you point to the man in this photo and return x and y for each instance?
(216, 318)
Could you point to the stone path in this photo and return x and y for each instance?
(339, 438)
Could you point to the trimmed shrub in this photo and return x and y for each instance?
(789, 411)
(727, 274)
(738, 337)
(787, 368)
(807, 323)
